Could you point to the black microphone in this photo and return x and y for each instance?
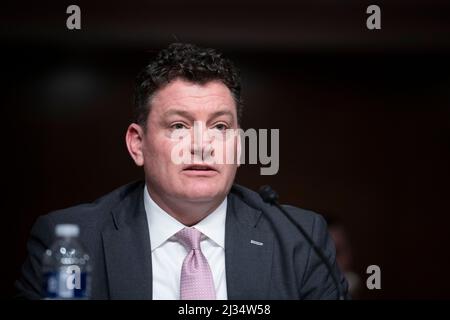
(271, 197)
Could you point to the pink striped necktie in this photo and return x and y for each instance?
(196, 277)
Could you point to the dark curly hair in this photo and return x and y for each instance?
(185, 61)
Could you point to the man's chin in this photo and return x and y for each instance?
(201, 192)
(199, 196)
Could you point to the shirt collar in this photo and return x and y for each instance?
(162, 226)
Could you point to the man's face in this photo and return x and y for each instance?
(177, 110)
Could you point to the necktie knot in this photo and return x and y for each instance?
(189, 238)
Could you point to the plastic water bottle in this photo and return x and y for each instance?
(66, 267)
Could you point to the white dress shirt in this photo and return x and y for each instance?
(168, 254)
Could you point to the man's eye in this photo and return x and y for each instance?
(178, 126)
(220, 127)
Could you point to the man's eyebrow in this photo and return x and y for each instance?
(177, 112)
(223, 113)
(186, 114)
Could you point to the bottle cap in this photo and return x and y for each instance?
(67, 230)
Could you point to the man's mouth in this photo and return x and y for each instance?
(199, 167)
(200, 170)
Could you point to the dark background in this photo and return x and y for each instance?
(364, 116)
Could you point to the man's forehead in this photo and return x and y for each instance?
(186, 98)
(189, 113)
(183, 92)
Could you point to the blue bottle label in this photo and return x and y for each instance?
(67, 283)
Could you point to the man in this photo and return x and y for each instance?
(187, 232)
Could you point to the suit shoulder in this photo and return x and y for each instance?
(93, 211)
(307, 218)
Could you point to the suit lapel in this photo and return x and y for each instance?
(248, 252)
(127, 249)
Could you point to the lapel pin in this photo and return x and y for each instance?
(256, 242)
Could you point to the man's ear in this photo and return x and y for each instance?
(134, 140)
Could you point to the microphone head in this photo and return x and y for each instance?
(268, 194)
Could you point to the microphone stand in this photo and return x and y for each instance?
(271, 197)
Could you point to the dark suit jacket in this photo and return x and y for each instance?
(114, 231)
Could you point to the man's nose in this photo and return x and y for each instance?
(200, 140)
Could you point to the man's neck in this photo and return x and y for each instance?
(188, 213)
